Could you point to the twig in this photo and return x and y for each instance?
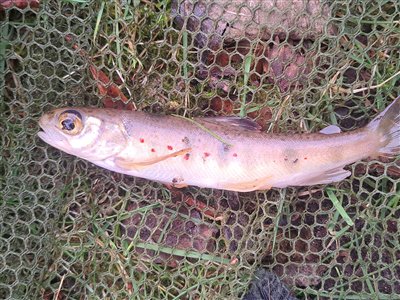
(118, 257)
(278, 115)
(378, 85)
(59, 288)
(349, 91)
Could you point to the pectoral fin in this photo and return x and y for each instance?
(247, 186)
(137, 165)
(180, 185)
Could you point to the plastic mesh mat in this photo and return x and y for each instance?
(71, 230)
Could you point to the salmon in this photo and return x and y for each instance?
(217, 152)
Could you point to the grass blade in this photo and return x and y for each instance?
(339, 207)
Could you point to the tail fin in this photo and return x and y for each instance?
(387, 128)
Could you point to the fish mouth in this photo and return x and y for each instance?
(45, 136)
(48, 134)
(42, 133)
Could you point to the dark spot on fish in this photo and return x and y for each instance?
(142, 140)
(177, 179)
(186, 140)
(290, 154)
(186, 157)
(153, 150)
(169, 147)
(296, 160)
(226, 147)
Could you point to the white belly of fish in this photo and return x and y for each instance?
(197, 171)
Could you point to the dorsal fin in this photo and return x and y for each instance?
(232, 122)
(331, 129)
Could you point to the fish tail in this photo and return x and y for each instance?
(386, 127)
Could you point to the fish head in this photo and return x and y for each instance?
(84, 132)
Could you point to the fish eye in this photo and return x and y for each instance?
(70, 121)
(68, 124)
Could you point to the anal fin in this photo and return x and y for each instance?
(137, 165)
(247, 186)
(329, 176)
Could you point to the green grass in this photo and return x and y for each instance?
(247, 64)
(98, 19)
(278, 217)
(3, 46)
(339, 208)
(80, 249)
(202, 127)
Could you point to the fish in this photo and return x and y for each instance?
(228, 153)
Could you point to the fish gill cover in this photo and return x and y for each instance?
(71, 230)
